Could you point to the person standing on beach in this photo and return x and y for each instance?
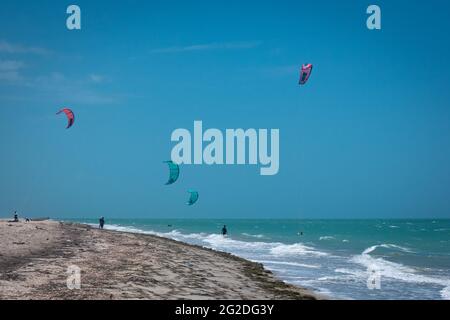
(16, 217)
(102, 222)
(224, 230)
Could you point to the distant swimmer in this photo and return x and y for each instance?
(300, 233)
(101, 222)
(224, 230)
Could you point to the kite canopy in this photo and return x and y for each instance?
(194, 197)
(174, 172)
(305, 72)
(70, 116)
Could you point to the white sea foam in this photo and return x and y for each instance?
(445, 293)
(285, 263)
(253, 235)
(326, 238)
(295, 249)
(220, 242)
(358, 273)
(393, 270)
(121, 228)
(387, 246)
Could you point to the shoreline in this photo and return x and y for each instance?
(125, 265)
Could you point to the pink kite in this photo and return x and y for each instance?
(305, 72)
(70, 116)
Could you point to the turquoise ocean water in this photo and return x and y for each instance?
(409, 259)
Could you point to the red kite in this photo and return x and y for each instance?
(70, 116)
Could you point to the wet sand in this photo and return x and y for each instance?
(35, 257)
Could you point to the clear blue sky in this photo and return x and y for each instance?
(368, 136)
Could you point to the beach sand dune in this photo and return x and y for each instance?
(35, 257)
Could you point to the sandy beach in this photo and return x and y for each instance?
(35, 256)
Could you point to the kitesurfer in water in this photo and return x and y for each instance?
(224, 230)
(102, 222)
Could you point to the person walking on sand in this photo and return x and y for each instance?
(224, 230)
(16, 217)
(102, 222)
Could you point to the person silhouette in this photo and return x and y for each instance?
(101, 222)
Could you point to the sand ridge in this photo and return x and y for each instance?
(34, 257)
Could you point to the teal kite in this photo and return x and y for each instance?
(174, 172)
(194, 197)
